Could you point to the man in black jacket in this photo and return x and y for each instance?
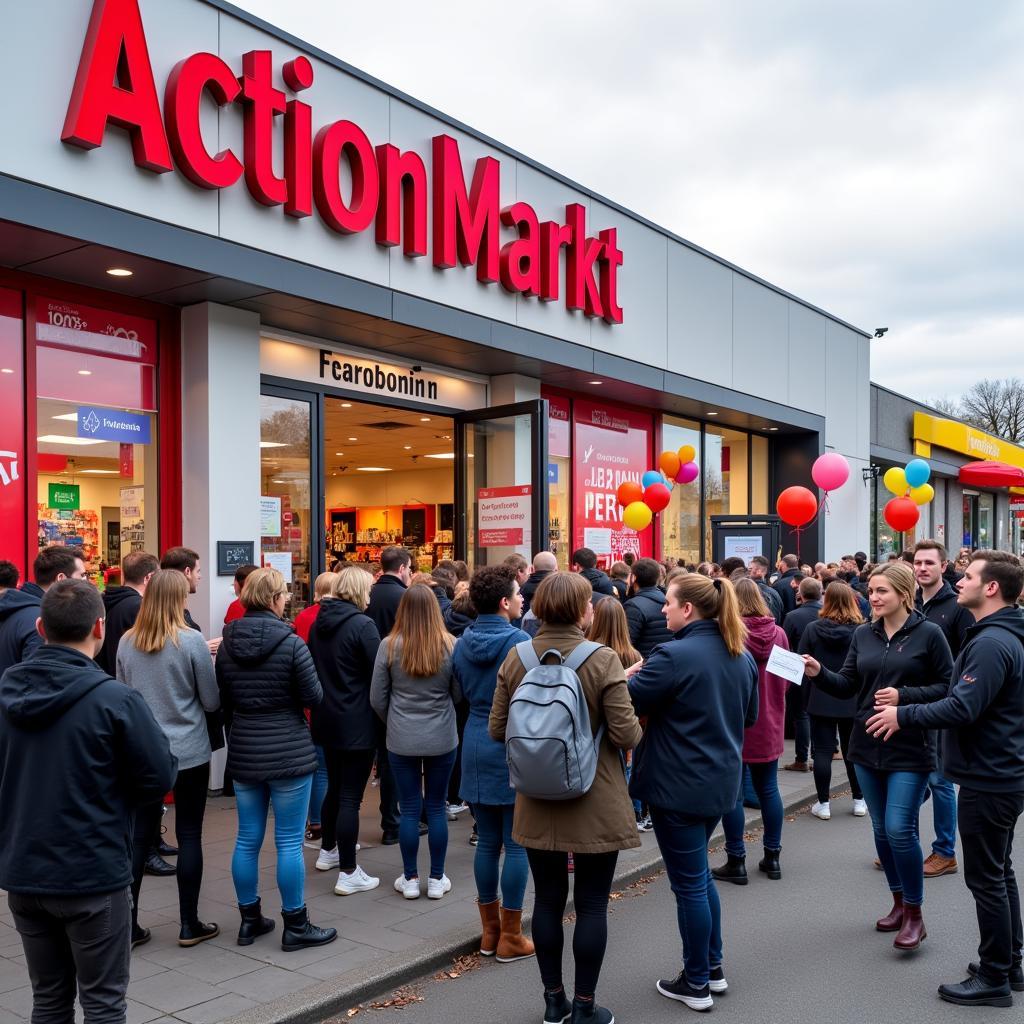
(644, 613)
(785, 586)
(982, 715)
(544, 563)
(758, 570)
(584, 561)
(79, 752)
(807, 610)
(122, 605)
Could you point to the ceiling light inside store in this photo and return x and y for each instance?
(595, 381)
(85, 373)
(373, 469)
(711, 414)
(353, 438)
(273, 444)
(101, 472)
(424, 419)
(346, 405)
(66, 439)
(120, 272)
(6, 369)
(407, 447)
(339, 453)
(773, 428)
(70, 417)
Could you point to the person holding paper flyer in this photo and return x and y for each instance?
(762, 743)
(898, 649)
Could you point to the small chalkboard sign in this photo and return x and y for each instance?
(233, 553)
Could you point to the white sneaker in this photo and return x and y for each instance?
(408, 887)
(822, 811)
(327, 860)
(437, 887)
(454, 810)
(860, 808)
(355, 881)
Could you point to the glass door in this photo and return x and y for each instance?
(501, 493)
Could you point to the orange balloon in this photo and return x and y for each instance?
(669, 464)
(628, 492)
(687, 453)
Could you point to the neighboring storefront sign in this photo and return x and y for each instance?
(63, 496)
(72, 325)
(13, 508)
(504, 516)
(959, 437)
(110, 425)
(270, 516)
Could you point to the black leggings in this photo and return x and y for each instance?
(347, 774)
(190, 789)
(592, 882)
(823, 732)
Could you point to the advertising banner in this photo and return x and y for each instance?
(71, 325)
(111, 425)
(13, 509)
(503, 516)
(63, 496)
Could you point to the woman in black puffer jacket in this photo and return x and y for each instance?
(266, 677)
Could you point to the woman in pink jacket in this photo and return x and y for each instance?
(762, 743)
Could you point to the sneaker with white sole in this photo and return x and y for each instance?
(408, 887)
(682, 991)
(454, 810)
(716, 980)
(327, 860)
(355, 881)
(437, 887)
(822, 811)
(860, 808)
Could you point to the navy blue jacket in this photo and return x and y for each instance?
(19, 610)
(798, 620)
(952, 618)
(600, 582)
(784, 589)
(982, 709)
(698, 699)
(647, 627)
(385, 597)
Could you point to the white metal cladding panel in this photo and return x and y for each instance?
(863, 392)
(842, 360)
(760, 341)
(848, 519)
(806, 359)
(699, 316)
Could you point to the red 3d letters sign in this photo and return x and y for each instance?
(115, 86)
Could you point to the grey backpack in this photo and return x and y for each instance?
(550, 750)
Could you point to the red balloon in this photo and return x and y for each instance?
(797, 506)
(657, 497)
(628, 492)
(901, 514)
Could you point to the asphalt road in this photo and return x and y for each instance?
(803, 949)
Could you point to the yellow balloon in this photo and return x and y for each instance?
(637, 516)
(687, 454)
(895, 480)
(922, 495)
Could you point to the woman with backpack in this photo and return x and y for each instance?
(414, 691)
(700, 694)
(763, 743)
(594, 826)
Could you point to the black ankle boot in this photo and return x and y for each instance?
(299, 933)
(589, 1012)
(733, 870)
(254, 924)
(770, 864)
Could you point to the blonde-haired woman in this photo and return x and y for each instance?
(266, 678)
(344, 642)
(414, 690)
(699, 692)
(170, 665)
(898, 648)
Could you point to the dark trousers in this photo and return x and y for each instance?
(823, 734)
(796, 711)
(76, 942)
(592, 882)
(388, 793)
(190, 790)
(455, 782)
(347, 774)
(987, 822)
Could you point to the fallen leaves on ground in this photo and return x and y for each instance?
(460, 965)
(399, 998)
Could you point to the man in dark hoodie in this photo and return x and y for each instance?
(584, 561)
(544, 563)
(808, 609)
(122, 605)
(19, 609)
(785, 586)
(79, 752)
(644, 615)
(982, 715)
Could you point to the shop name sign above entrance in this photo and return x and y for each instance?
(115, 85)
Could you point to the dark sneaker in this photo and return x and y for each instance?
(557, 1008)
(389, 837)
(683, 992)
(590, 1013)
(193, 934)
(140, 936)
(1016, 975)
(716, 980)
(976, 991)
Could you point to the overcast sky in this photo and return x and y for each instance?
(867, 157)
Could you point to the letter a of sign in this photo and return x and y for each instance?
(115, 83)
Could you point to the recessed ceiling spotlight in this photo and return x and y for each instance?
(6, 369)
(346, 405)
(424, 419)
(339, 453)
(353, 438)
(373, 469)
(773, 428)
(85, 373)
(407, 447)
(120, 272)
(595, 381)
(711, 413)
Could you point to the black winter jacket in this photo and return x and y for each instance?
(79, 752)
(122, 605)
(621, 587)
(266, 677)
(982, 710)
(917, 651)
(647, 626)
(599, 582)
(784, 589)
(19, 610)
(772, 599)
(827, 641)
(953, 619)
(456, 622)
(533, 581)
(698, 700)
(798, 620)
(343, 643)
(385, 597)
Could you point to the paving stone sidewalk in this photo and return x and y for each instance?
(219, 980)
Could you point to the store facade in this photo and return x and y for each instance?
(328, 259)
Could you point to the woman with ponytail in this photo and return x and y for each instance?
(699, 692)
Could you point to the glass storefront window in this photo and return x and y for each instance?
(986, 521)
(726, 464)
(680, 522)
(759, 476)
(559, 480)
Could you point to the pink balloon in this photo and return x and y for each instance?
(830, 471)
(688, 472)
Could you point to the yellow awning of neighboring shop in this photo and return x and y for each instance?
(959, 437)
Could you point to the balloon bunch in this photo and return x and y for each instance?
(911, 487)
(640, 501)
(799, 506)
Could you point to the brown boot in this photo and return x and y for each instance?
(513, 944)
(490, 926)
(894, 919)
(936, 865)
(912, 933)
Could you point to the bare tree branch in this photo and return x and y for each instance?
(993, 405)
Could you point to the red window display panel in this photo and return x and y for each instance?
(611, 444)
(13, 465)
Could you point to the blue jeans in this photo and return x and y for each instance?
(684, 845)
(290, 800)
(423, 782)
(894, 801)
(944, 812)
(319, 790)
(494, 827)
(749, 794)
(765, 779)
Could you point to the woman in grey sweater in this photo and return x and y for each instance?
(414, 691)
(170, 665)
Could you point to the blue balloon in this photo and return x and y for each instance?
(917, 472)
(652, 476)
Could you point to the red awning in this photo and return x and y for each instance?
(991, 474)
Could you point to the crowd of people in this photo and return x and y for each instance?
(667, 718)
